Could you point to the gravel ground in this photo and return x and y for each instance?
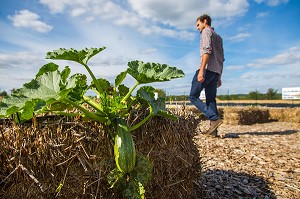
(251, 161)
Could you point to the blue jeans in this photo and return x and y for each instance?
(210, 84)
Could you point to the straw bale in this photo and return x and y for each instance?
(171, 146)
(71, 159)
(245, 115)
(285, 114)
(182, 110)
(235, 115)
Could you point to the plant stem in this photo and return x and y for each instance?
(86, 112)
(130, 91)
(132, 103)
(66, 114)
(92, 103)
(143, 121)
(98, 87)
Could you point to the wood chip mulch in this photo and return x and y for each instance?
(251, 161)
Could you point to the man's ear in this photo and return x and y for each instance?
(205, 21)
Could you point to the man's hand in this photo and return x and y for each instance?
(201, 76)
(204, 61)
(219, 83)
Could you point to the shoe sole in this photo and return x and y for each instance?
(212, 130)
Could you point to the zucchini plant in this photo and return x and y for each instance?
(60, 92)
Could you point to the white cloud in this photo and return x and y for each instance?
(60, 6)
(148, 51)
(280, 71)
(148, 15)
(77, 12)
(262, 14)
(27, 19)
(265, 77)
(183, 14)
(237, 67)
(261, 80)
(18, 68)
(167, 32)
(291, 56)
(272, 2)
(239, 37)
(20, 60)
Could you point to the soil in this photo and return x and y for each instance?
(251, 161)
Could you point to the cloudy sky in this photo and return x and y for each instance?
(261, 39)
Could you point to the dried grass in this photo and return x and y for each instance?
(245, 115)
(285, 114)
(236, 115)
(68, 159)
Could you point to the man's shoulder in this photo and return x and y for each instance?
(207, 30)
(217, 36)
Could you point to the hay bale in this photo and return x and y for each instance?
(245, 115)
(34, 163)
(176, 158)
(285, 114)
(191, 110)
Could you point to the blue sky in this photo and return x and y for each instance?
(261, 39)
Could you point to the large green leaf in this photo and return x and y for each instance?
(81, 56)
(19, 104)
(50, 67)
(143, 170)
(158, 106)
(152, 72)
(105, 85)
(123, 90)
(76, 87)
(65, 74)
(12, 100)
(12, 104)
(119, 79)
(29, 108)
(3, 108)
(50, 87)
(47, 87)
(134, 190)
(116, 177)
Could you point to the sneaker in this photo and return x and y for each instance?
(213, 134)
(213, 126)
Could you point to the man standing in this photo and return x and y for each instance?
(208, 76)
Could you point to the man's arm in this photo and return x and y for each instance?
(204, 61)
(220, 78)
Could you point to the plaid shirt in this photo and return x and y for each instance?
(212, 44)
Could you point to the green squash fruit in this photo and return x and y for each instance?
(124, 149)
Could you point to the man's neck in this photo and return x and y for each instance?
(207, 26)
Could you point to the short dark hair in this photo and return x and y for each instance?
(203, 17)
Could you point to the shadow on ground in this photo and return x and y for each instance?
(237, 135)
(287, 132)
(230, 184)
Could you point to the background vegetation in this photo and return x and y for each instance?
(271, 94)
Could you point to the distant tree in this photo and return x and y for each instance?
(13, 90)
(271, 93)
(3, 93)
(254, 95)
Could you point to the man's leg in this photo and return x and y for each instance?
(210, 94)
(196, 89)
